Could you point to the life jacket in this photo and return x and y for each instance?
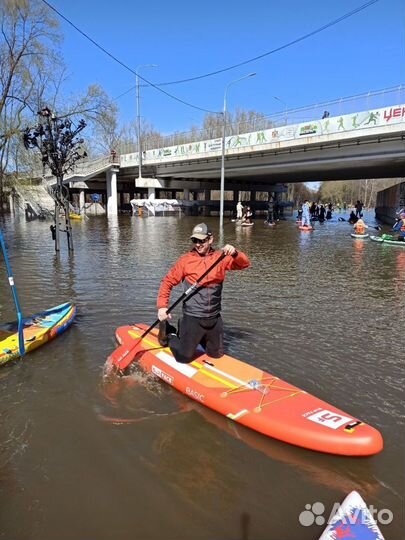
(402, 229)
(360, 229)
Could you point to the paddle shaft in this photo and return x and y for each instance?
(378, 228)
(15, 297)
(184, 297)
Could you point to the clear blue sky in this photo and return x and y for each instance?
(363, 53)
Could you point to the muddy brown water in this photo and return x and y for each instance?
(137, 460)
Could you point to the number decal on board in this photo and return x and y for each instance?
(329, 419)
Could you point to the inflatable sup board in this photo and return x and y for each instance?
(353, 521)
(38, 330)
(256, 399)
(361, 236)
(387, 239)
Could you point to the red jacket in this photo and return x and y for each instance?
(206, 300)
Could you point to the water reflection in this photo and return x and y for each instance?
(358, 256)
(400, 278)
(324, 470)
(113, 236)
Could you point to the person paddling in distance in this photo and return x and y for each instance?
(248, 216)
(202, 311)
(360, 227)
(352, 218)
(399, 227)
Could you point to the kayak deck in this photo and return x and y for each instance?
(38, 330)
(257, 399)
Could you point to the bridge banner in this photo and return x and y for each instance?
(338, 126)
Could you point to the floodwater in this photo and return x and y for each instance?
(137, 460)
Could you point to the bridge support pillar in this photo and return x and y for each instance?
(81, 201)
(186, 194)
(11, 202)
(151, 192)
(111, 179)
(207, 197)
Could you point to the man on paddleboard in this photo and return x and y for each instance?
(202, 309)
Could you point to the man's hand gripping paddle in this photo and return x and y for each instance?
(124, 355)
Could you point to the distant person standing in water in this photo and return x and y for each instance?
(305, 220)
(270, 208)
(322, 212)
(359, 209)
(239, 210)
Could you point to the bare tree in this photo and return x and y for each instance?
(28, 34)
(349, 191)
(101, 116)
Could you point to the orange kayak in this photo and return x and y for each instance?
(256, 399)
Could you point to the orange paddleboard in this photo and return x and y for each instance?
(256, 399)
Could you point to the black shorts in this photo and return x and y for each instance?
(192, 331)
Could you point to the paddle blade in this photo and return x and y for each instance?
(121, 358)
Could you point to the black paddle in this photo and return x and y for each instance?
(378, 228)
(124, 355)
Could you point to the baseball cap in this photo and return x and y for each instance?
(201, 231)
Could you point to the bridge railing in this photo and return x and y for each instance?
(84, 168)
(90, 166)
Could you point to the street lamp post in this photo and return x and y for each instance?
(285, 107)
(138, 116)
(221, 202)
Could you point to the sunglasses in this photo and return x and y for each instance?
(198, 241)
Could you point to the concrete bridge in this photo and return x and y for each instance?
(366, 144)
